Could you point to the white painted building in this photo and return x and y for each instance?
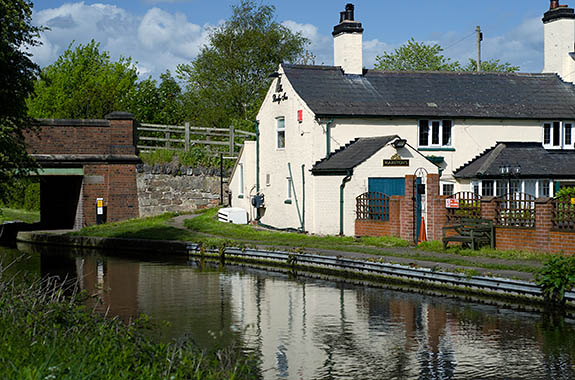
(312, 115)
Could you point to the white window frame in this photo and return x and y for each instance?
(278, 130)
(447, 183)
(562, 133)
(430, 134)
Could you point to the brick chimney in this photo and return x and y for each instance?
(347, 43)
(559, 31)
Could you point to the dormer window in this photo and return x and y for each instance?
(558, 135)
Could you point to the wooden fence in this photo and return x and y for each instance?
(469, 207)
(183, 137)
(516, 210)
(564, 214)
(372, 206)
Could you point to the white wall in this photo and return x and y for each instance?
(348, 52)
(241, 197)
(327, 188)
(559, 38)
(306, 144)
(470, 137)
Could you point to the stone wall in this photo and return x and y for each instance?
(168, 187)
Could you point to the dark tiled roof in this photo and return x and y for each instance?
(350, 155)
(328, 92)
(535, 161)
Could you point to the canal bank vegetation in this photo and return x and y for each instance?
(205, 229)
(10, 214)
(46, 333)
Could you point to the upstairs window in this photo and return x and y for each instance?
(435, 133)
(558, 135)
(281, 133)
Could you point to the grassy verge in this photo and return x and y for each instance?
(515, 254)
(47, 335)
(8, 214)
(204, 228)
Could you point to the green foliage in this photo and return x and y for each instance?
(24, 194)
(416, 56)
(47, 335)
(17, 75)
(158, 104)
(9, 214)
(83, 83)
(556, 277)
(419, 56)
(566, 193)
(229, 79)
(195, 157)
(491, 66)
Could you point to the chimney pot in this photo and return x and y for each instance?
(349, 8)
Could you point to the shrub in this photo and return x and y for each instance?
(556, 277)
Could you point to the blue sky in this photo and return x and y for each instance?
(160, 34)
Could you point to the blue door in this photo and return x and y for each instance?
(388, 186)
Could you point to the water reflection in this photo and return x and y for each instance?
(313, 329)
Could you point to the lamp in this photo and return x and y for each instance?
(399, 143)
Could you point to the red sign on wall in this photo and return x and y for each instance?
(300, 116)
(452, 203)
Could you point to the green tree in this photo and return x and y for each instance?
(419, 56)
(416, 56)
(228, 80)
(83, 83)
(492, 65)
(160, 104)
(17, 75)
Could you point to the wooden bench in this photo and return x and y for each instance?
(472, 232)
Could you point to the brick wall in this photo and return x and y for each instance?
(542, 237)
(106, 152)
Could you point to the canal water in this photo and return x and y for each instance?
(305, 328)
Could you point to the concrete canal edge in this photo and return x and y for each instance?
(293, 261)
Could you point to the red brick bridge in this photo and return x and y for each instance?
(81, 161)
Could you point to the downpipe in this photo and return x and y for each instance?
(345, 180)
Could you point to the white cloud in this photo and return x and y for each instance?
(157, 41)
(521, 46)
(160, 40)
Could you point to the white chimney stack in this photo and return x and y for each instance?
(559, 30)
(347, 43)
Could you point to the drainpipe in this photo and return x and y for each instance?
(257, 157)
(345, 180)
(328, 138)
(303, 198)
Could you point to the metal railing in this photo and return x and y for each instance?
(183, 137)
(372, 206)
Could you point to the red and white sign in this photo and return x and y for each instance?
(300, 116)
(452, 203)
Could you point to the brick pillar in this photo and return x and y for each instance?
(407, 210)
(434, 209)
(122, 133)
(543, 222)
(489, 208)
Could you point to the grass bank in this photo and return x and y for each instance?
(45, 334)
(9, 214)
(204, 228)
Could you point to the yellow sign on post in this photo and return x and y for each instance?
(100, 202)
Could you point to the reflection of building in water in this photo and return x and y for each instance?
(195, 304)
(114, 283)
